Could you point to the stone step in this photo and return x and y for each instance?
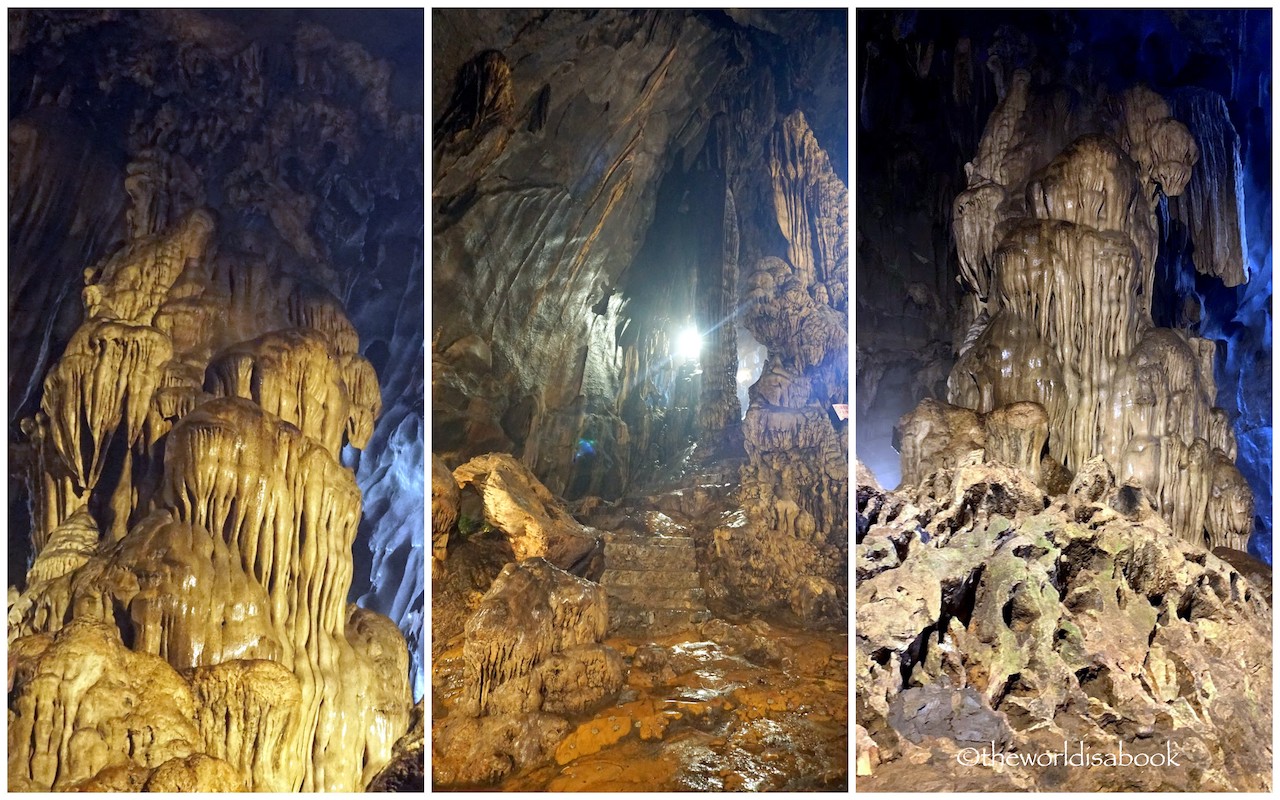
(655, 622)
(631, 556)
(666, 579)
(655, 597)
(630, 540)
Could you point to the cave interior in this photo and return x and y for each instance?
(1063, 400)
(640, 358)
(928, 82)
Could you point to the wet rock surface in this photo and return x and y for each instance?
(640, 228)
(727, 707)
(675, 688)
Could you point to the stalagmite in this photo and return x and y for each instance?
(1071, 286)
(193, 396)
(126, 707)
(1229, 518)
(444, 508)
(234, 548)
(937, 436)
(246, 709)
(795, 486)
(1016, 434)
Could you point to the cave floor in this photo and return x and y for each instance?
(746, 706)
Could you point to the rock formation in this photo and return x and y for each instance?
(1036, 620)
(532, 655)
(795, 485)
(1066, 278)
(185, 622)
(1057, 596)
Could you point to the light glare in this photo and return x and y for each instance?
(689, 344)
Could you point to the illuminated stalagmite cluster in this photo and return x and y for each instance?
(217, 587)
(795, 484)
(194, 416)
(1057, 240)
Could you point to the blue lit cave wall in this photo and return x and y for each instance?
(927, 83)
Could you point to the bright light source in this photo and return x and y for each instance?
(689, 344)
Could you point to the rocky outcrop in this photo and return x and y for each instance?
(515, 502)
(532, 653)
(989, 612)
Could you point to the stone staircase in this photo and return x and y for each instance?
(652, 583)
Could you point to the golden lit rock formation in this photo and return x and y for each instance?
(516, 503)
(228, 544)
(207, 206)
(119, 707)
(532, 654)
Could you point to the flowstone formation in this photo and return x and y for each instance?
(793, 545)
(229, 523)
(1055, 597)
(189, 452)
(1057, 236)
(993, 618)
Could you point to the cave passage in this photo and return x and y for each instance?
(639, 482)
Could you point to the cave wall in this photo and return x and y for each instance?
(928, 82)
(216, 362)
(534, 197)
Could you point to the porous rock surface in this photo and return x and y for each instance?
(990, 614)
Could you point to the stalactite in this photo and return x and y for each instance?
(1212, 207)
